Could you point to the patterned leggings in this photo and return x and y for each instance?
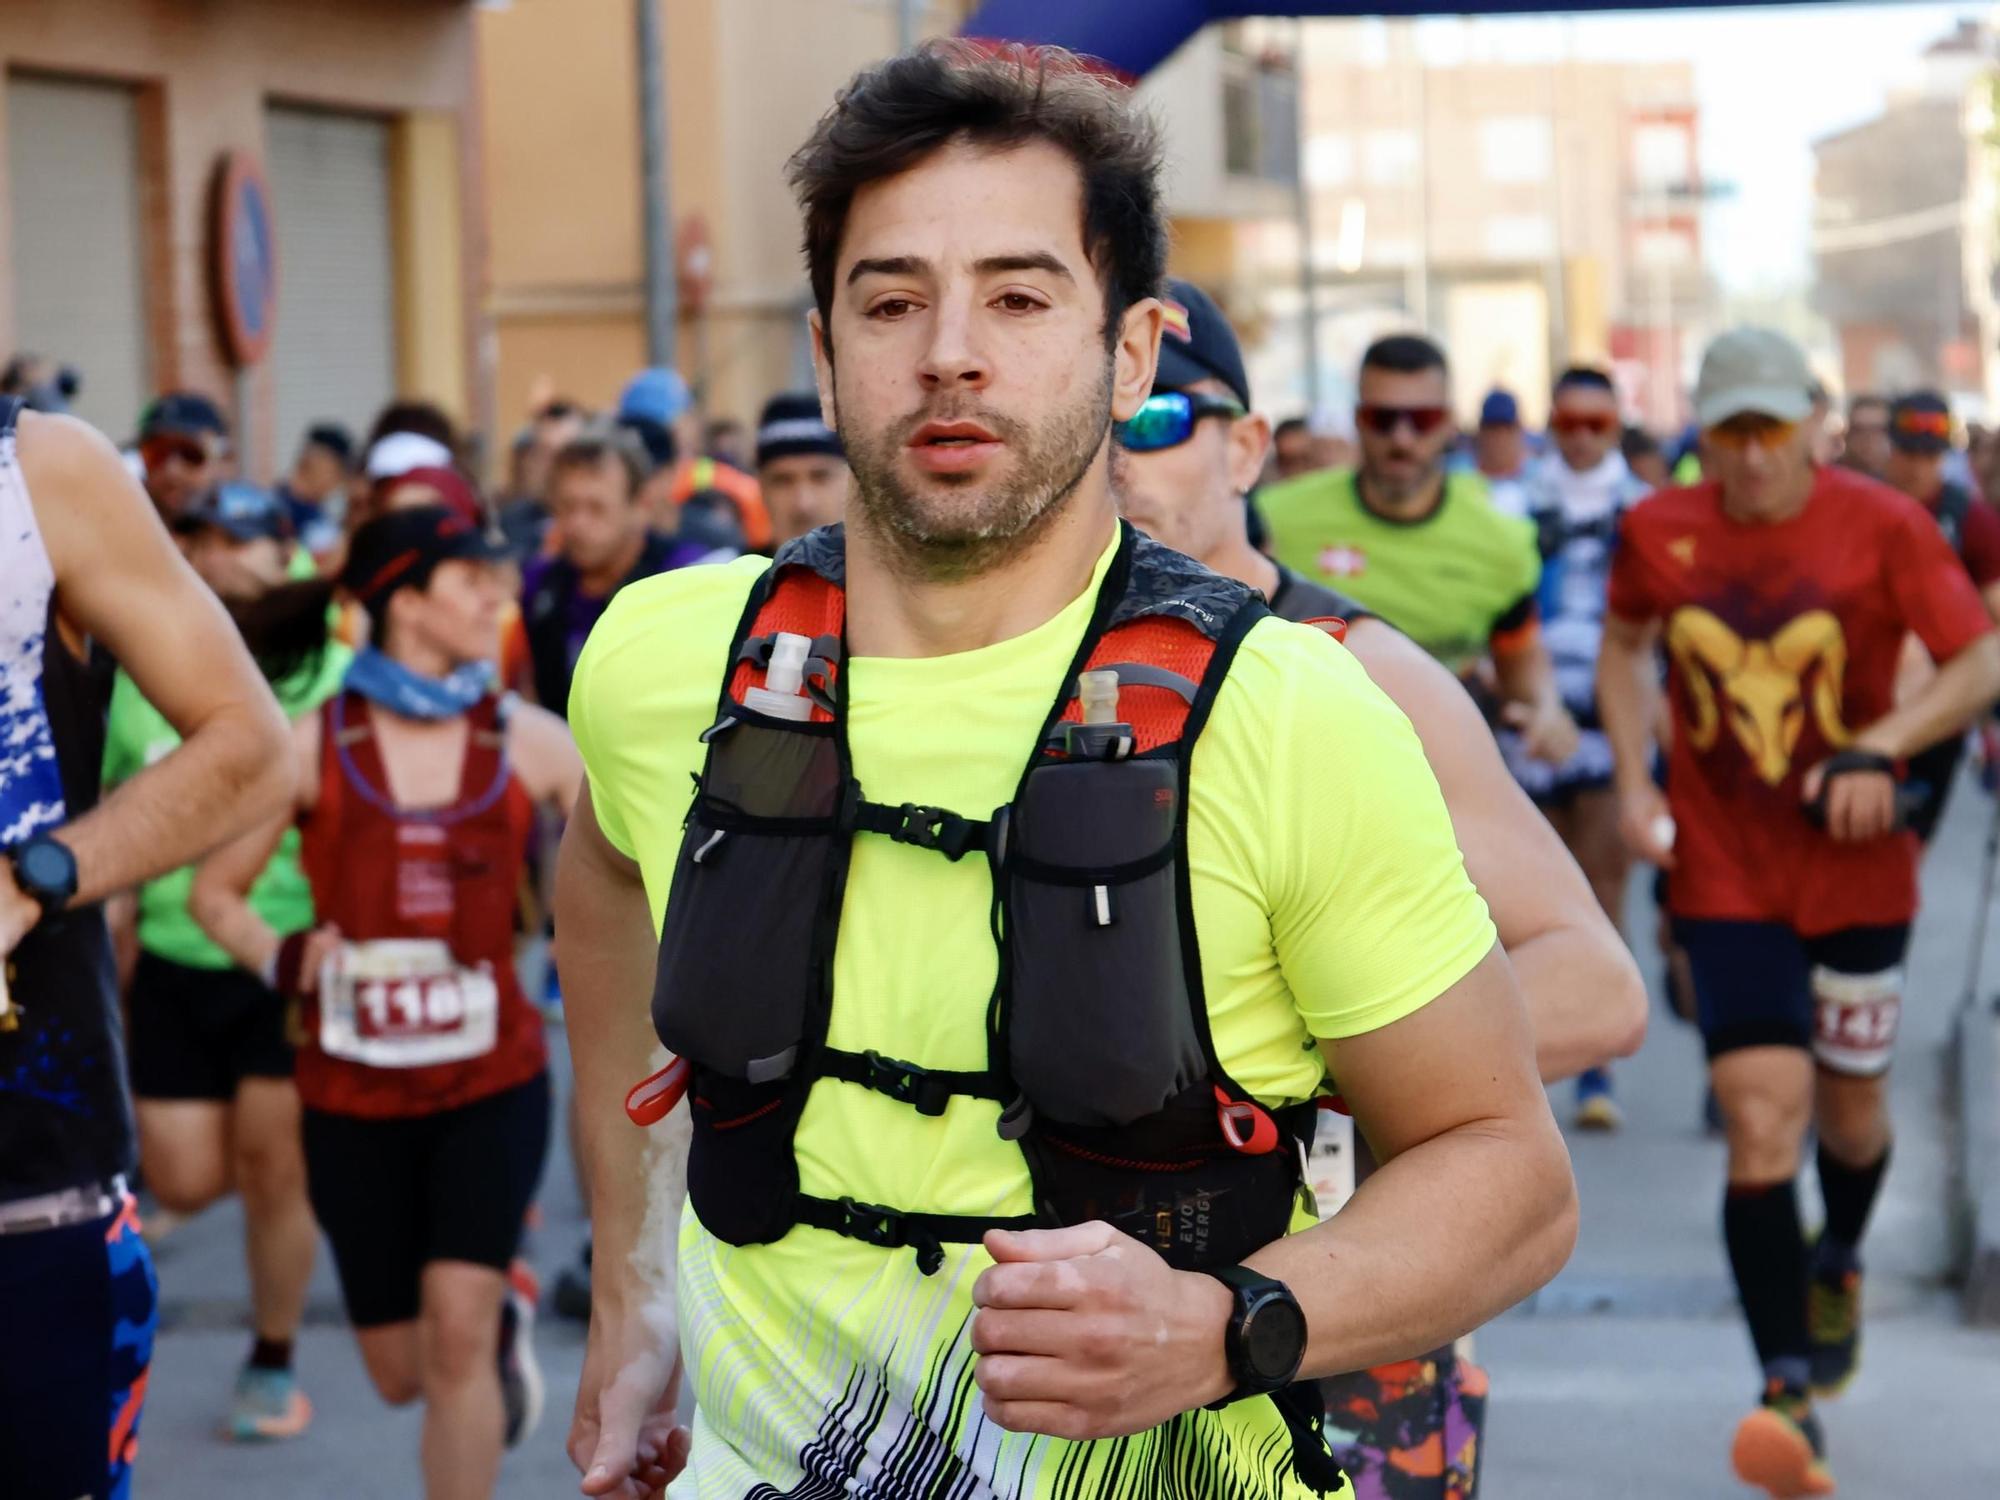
(1409, 1431)
(79, 1307)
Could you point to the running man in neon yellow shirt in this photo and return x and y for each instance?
(986, 245)
(1423, 548)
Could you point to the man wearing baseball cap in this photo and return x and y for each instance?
(801, 466)
(1181, 466)
(1500, 450)
(183, 449)
(1782, 592)
(1919, 440)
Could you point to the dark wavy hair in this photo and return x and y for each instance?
(893, 115)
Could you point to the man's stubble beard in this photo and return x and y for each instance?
(961, 530)
(1395, 492)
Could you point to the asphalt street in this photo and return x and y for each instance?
(1623, 1378)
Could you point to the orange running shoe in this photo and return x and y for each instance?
(1779, 1448)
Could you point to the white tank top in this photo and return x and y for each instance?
(31, 795)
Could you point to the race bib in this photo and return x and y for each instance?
(405, 1003)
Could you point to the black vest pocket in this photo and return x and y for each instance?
(742, 1176)
(1169, 1182)
(1100, 1026)
(761, 843)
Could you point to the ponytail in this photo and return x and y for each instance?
(288, 628)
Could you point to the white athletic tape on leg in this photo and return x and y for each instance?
(1855, 1019)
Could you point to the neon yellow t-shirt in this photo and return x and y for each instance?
(1329, 897)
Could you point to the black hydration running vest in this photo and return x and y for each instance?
(1098, 1042)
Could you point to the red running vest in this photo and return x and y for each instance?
(450, 874)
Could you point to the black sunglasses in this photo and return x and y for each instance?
(1167, 420)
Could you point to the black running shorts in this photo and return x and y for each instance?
(395, 1195)
(197, 1033)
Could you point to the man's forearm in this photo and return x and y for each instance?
(1526, 675)
(1963, 689)
(235, 771)
(1626, 694)
(1437, 1242)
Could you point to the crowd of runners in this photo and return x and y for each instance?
(1015, 1037)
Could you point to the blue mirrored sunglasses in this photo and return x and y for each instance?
(1167, 420)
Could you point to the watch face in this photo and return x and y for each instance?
(1274, 1339)
(46, 867)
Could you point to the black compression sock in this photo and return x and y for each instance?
(1850, 1194)
(271, 1354)
(1767, 1251)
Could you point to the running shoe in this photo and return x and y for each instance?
(1595, 1108)
(1833, 1319)
(1780, 1449)
(269, 1407)
(520, 1376)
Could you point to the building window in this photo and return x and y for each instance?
(1662, 158)
(1390, 156)
(1520, 237)
(1329, 160)
(1390, 250)
(1662, 249)
(1516, 148)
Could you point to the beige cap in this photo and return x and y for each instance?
(1752, 370)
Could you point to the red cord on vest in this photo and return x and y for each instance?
(653, 1099)
(1247, 1127)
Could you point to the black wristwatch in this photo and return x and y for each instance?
(45, 869)
(1266, 1338)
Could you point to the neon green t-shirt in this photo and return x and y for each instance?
(1330, 900)
(1451, 582)
(136, 735)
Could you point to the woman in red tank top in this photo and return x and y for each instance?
(421, 1063)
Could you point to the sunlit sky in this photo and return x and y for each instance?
(1768, 81)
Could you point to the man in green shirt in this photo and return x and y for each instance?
(1425, 549)
(211, 1065)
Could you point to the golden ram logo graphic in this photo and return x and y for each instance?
(1761, 687)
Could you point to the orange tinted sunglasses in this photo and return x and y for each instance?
(1739, 433)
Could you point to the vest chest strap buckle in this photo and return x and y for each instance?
(937, 828)
(907, 1083)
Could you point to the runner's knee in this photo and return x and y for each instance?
(1766, 1125)
(390, 1357)
(460, 1344)
(269, 1168)
(186, 1182)
(1852, 1116)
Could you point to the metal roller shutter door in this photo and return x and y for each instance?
(334, 349)
(79, 288)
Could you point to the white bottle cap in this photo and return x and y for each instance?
(779, 697)
(1099, 694)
